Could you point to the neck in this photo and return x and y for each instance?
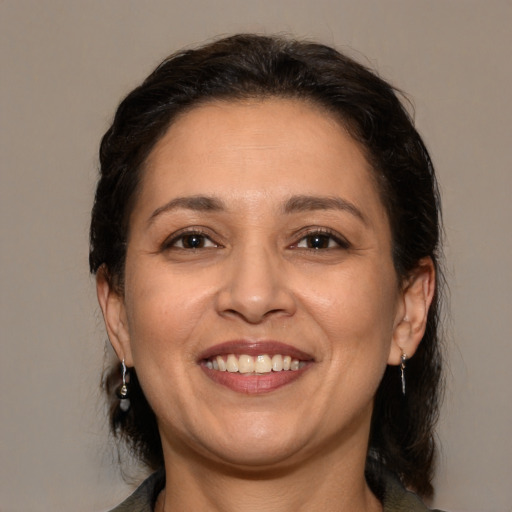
(330, 481)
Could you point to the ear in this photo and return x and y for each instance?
(114, 314)
(411, 320)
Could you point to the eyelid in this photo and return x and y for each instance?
(340, 240)
(170, 241)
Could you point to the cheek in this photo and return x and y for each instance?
(164, 313)
(354, 303)
(354, 310)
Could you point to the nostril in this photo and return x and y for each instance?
(250, 316)
(255, 289)
(255, 317)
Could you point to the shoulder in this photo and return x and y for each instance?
(398, 499)
(143, 499)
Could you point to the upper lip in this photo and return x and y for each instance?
(255, 348)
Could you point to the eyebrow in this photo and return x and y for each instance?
(295, 204)
(196, 203)
(304, 203)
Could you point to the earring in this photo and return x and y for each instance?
(402, 371)
(123, 392)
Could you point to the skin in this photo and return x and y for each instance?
(302, 446)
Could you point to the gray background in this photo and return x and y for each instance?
(64, 66)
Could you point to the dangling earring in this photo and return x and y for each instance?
(123, 392)
(402, 371)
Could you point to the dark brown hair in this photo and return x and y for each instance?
(251, 66)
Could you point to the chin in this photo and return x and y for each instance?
(258, 457)
(255, 444)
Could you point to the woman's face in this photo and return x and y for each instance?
(258, 231)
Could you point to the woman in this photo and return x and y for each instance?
(265, 240)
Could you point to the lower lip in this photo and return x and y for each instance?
(254, 384)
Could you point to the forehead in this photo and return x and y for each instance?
(245, 150)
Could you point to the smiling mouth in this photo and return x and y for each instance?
(254, 365)
(254, 368)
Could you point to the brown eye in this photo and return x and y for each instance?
(318, 241)
(191, 241)
(321, 240)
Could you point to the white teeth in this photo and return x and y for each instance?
(221, 363)
(245, 364)
(263, 364)
(277, 362)
(232, 363)
(259, 364)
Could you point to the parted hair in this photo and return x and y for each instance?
(248, 66)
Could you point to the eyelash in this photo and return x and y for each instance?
(331, 236)
(341, 242)
(171, 243)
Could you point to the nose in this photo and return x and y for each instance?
(255, 287)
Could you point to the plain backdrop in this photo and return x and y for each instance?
(65, 64)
